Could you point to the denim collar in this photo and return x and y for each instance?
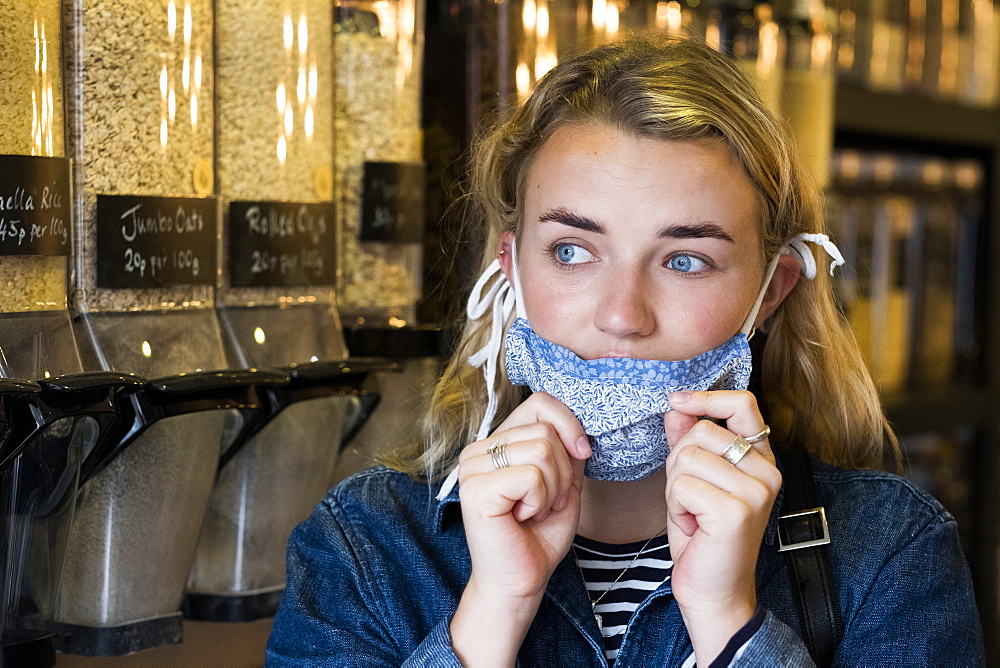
(446, 512)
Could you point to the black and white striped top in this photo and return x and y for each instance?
(602, 563)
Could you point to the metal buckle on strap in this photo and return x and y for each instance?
(824, 540)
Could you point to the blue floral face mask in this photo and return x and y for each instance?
(619, 401)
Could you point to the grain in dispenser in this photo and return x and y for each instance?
(36, 337)
(275, 157)
(378, 168)
(141, 133)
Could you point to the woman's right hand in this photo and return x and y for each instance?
(519, 524)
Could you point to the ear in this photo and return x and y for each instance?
(786, 275)
(505, 255)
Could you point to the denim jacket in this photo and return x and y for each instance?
(376, 572)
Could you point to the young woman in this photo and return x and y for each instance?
(618, 491)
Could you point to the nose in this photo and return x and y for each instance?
(624, 307)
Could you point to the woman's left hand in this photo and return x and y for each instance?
(717, 513)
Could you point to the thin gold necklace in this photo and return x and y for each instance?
(593, 604)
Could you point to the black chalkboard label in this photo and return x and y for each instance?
(155, 242)
(392, 207)
(34, 206)
(281, 244)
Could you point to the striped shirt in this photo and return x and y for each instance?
(602, 563)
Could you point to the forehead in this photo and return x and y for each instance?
(602, 172)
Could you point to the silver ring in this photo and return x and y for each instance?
(498, 453)
(759, 436)
(736, 450)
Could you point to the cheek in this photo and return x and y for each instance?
(554, 312)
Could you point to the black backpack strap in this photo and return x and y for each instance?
(803, 537)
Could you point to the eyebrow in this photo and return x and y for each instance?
(701, 230)
(567, 217)
(695, 231)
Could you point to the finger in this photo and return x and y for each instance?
(713, 440)
(496, 494)
(576, 482)
(677, 424)
(737, 407)
(755, 479)
(533, 444)
(711, 509)
(543, 407)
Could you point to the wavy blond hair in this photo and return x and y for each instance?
(815, 388)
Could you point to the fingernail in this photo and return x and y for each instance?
(678, 397)
(583, 447)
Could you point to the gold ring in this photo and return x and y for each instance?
(736, 450)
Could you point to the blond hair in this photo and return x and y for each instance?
(815, 388)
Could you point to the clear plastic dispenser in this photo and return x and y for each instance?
(141, 507)
(378, 163)
(48, 431)
(269, 483)
(36, 335)
(276, 300)
(141, 118)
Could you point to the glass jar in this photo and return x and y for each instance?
(378, 171)
(980, 68)
(887, 63)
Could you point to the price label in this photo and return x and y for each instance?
(392, 208)
(34, 206)
(155, 242)
(281, 244)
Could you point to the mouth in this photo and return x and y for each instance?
(614, 355)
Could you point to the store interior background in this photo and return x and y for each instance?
(895, 104)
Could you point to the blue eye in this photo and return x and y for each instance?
(687, 264)
(572, 254)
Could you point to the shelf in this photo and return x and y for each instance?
(940, 410)
(915, 118)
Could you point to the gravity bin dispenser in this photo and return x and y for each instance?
(141, 119)
(276, 303)
(270, 481)
(51, 433)
(141, 507)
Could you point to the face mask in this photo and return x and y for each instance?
(620, 402)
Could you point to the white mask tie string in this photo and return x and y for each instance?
(797, 247)
(501, 300)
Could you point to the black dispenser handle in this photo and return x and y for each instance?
(100, 394)
(311, 380)
(171, 396)
(18, 416)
